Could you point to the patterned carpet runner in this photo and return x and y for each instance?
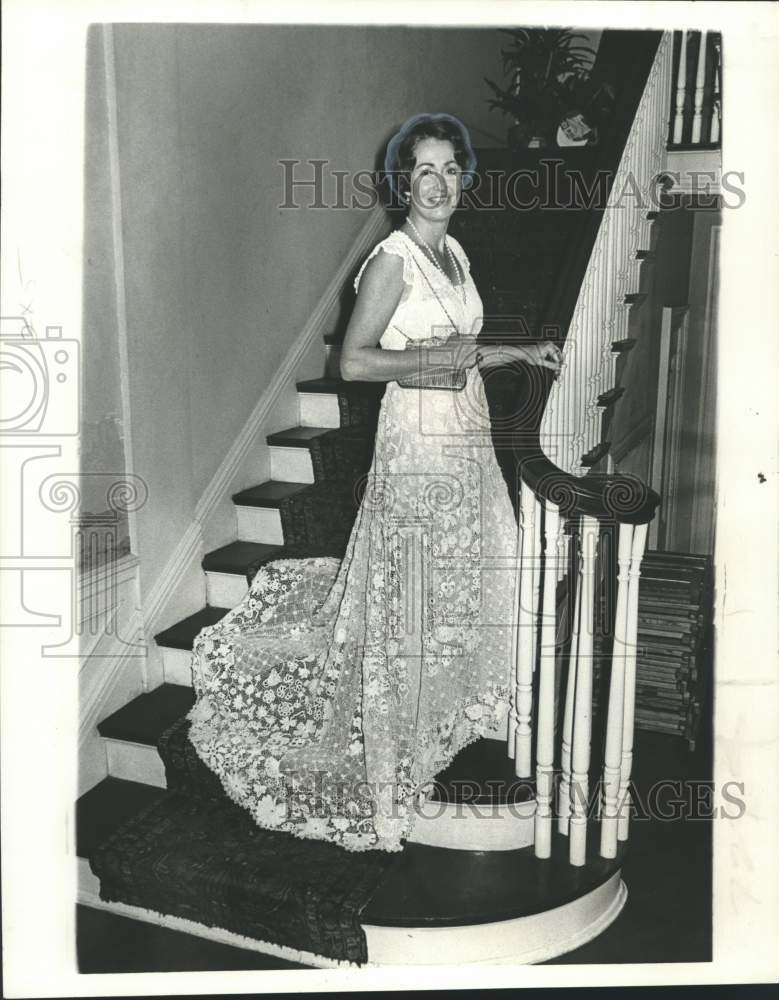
(204, 859)
(194, 853)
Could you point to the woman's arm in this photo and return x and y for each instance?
(381, 287)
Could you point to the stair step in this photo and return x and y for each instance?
(482, 773)
(272, 493)
(610, 397)
(290, 455)
(296, 437)
(257, 510)
(619, 346)
(319, 402)
(238, 556)
(105, 807)
(422, 887)
(318, 385)
(182, 634)
(146, 717)
(596, 454)
(429, 887)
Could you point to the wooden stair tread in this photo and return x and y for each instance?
(106, 806)
(146, 717)
(296, 437)
(182, 634)
(611, 396)
(482, 772)
(596, 454)
(320, 385)
(271, 493)
(440, 887)
(427, 886)
(238, 556)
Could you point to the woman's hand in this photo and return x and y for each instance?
(546, 355)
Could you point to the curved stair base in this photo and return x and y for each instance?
(525, 940)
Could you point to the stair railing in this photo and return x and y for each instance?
(551, 503)
(571, 425)
(696, 104)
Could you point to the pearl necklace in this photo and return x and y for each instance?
(431, 256)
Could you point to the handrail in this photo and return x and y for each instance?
(629, 81)
(551, 495)
(612, 498)
(600, 317)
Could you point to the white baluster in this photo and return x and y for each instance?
(681, 90)
(525, 639)
(545, 726)
(582, 709)
(623, 804)
(564, 793)
(513, 707)
(715, 100)
(538, 509)
(700, 78)
(612, 757)
(600, 317)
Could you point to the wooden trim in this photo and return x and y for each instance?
(672, 428)
(701, 521)
(626, 444)
(660, 414)
(117, 233)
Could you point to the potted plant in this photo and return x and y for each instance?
(545, 68)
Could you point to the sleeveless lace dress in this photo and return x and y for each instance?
(328, 700)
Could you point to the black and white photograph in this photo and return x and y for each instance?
(390, 496)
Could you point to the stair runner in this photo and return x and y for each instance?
(317, 520)
(192, 852)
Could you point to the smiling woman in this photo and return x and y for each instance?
(334, 693)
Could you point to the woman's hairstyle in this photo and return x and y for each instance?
(400, 159)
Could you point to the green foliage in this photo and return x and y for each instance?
(548, 74)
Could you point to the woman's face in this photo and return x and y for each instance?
(436, 180)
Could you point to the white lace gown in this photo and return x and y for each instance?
(328, 700)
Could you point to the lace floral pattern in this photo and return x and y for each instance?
(336, 691)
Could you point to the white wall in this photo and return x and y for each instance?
(218, 279)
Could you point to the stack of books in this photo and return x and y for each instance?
(673, 660)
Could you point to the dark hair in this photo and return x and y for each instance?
(400, 158)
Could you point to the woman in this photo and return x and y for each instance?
(335, 691)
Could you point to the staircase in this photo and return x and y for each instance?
(488, 877)
(157, 792)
